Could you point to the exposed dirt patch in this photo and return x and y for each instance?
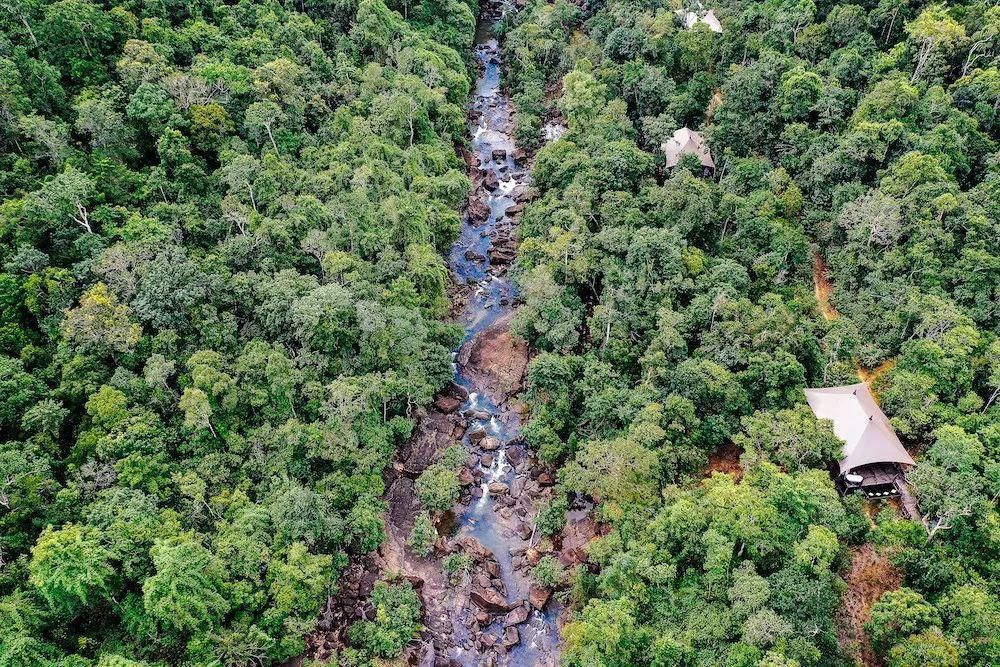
(725, 459)
(713, 104)
(869, 575)
(823, 288)
(871, 376)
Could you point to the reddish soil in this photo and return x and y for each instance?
(871, 376)
(868, 577)
(725, 459)
(823, 288)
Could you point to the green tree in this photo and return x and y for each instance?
(397, 610)
(438, 487)
(187, 593)
(927, 649)
(101, 322)
(71, 569)
(898, 614)
(423, 535)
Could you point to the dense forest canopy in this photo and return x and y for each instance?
(223, 301)
(222, 296)
(676, 315)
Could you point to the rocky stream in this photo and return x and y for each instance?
(492, 614)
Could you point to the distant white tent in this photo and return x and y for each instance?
(687, 141)
(692, 18)
(712, 21)
(858, 421)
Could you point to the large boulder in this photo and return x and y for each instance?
(538, 596)
(488, 599)
(447, 404)
(517, 615)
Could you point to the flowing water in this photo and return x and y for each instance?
(490, 299)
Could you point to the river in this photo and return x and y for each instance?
(488, 307)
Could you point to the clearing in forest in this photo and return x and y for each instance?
(868, 577)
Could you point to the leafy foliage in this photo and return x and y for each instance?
(221, 296)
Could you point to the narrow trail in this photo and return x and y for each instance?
(492, 614)
(869, 576)
(823, 288)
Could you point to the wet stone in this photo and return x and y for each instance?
(517, 615)
(538, 596)
(447, 404)
(490, 600)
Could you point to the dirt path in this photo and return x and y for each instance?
(868, 577)
(823, 288)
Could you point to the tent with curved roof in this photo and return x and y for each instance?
(858, 421)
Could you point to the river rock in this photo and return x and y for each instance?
(495, 360)
(465, 477)
(478, 210)
(474, 548)
(473, 256)
(577, 537)
(490, 180)
(490, 600)
(538, 596)
(501, 255)
(511, 637)
(532, 556)
(447, 404)
(514, 455)
(517, 487)
(428, 658)
(498, 155)
(523, 531)
(546, 479)
(477, 434)
(498, 488)
(457, 390)
(517, 615)
(486, 461)
(490, 443)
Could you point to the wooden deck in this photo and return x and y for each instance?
(908, 500)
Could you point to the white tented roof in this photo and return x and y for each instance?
(683, 142)
(858, 421)
(692, 18)
(712, 21)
